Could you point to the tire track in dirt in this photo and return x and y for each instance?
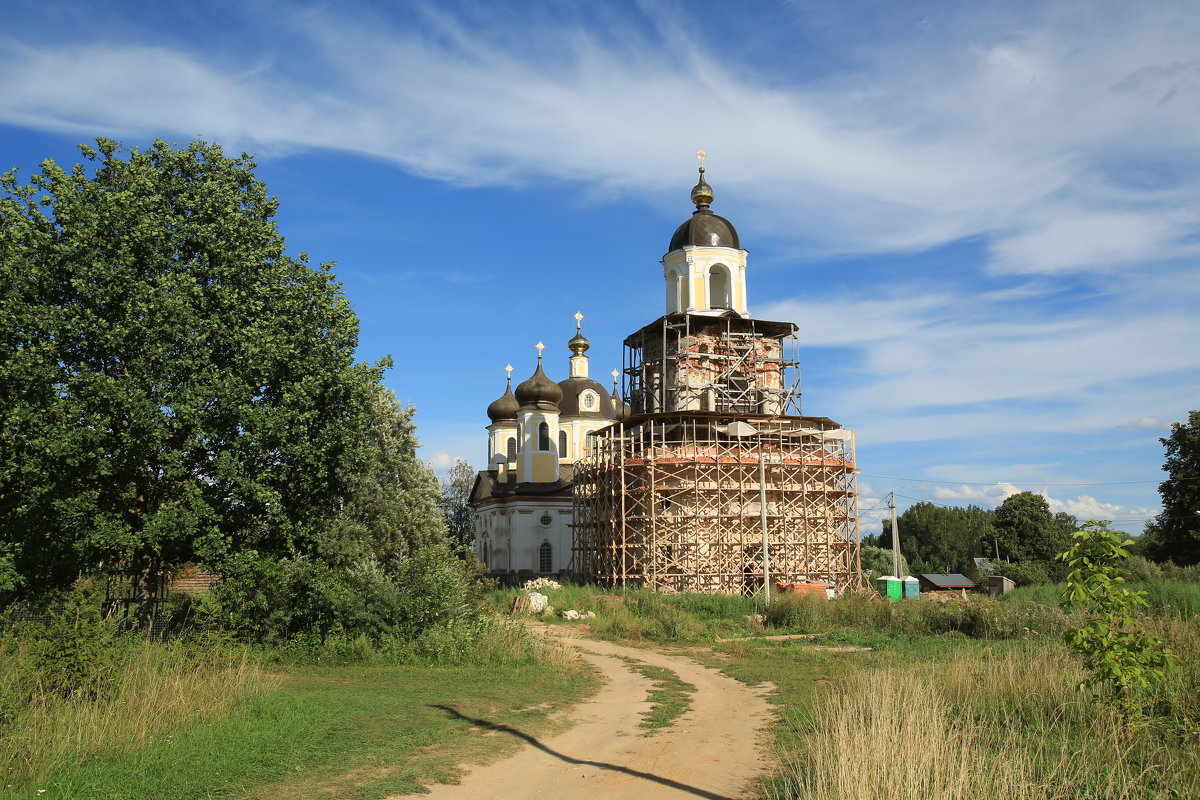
(714, 751)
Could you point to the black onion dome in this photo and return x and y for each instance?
(505, 407)
(704, 229)
(572, 402)
(539, 391)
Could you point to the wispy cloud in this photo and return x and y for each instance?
(1064, 134)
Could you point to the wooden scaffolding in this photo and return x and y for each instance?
(712, 462)
(674, 502)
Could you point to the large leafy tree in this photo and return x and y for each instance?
(456, 504)
(941, 539)
(1175, 534)
(173, 385)
(1026, 531)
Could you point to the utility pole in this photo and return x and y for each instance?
(895, 538)
(762, 515)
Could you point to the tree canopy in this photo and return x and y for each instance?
(174, 386)
(456, 505)
(939, 538)
(1026, 530)
(1174, 535)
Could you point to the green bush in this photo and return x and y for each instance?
(1025, 573)
(292, 602)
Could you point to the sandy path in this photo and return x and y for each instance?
(713, 751)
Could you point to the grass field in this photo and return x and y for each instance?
(320, 732)
(953, 700)
(209, 720)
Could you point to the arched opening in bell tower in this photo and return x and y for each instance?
(719, 285)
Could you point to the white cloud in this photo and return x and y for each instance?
(987, 495)
(1153, 423)
(1064, 138)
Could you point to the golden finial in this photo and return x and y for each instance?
(509, 368)
(578, 320)
(702, 194)
(540, 347)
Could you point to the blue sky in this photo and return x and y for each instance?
(984, 217)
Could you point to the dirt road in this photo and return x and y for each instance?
(713, 751)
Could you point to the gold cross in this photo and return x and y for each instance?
(508, 368)
(540, 347)
(578, 320)
(700, 154)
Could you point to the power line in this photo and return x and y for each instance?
(1013, 483)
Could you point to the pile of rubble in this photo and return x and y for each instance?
(540, 604)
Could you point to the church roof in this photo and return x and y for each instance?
(487, 487)
(504, 407)
(704, 229)
(573, 388)
(539, 391)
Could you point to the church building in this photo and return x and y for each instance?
(698, 474)
(523, 499)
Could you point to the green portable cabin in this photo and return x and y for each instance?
(912, 587)
(889, 586)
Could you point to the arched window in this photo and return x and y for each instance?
(545, 558)
(674, 285)
(486, 553)
(511, 450)
(562, 444)
(544, 436)
(718, 287)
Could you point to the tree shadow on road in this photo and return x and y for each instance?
(533, 740)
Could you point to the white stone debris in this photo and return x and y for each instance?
(542, 583)
(537, 602)
(570, 613)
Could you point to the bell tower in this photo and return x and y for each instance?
(705, 268)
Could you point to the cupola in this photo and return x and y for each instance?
(538, 391)
(505, 407)
(704, 228)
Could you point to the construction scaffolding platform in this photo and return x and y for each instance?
(704, 501)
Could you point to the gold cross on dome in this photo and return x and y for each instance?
(700, 154)
(508, 368)
(615, 373)
(578, 320)
(540, 347)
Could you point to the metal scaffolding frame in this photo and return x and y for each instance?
(703, 362)
(671, 501)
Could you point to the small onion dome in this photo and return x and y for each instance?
(539, 391)
(702, 193)
(704, 229)
(505, 408)
(578, 344)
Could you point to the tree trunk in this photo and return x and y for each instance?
(146, 582)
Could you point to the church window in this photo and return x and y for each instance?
(512, 448)
(545, 558)
(544, 436)
(486, 553)
(562, 444)
(589, 401)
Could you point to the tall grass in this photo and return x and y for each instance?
(989, 724)
(152, 689)
(1178, 599)
(980, 618)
